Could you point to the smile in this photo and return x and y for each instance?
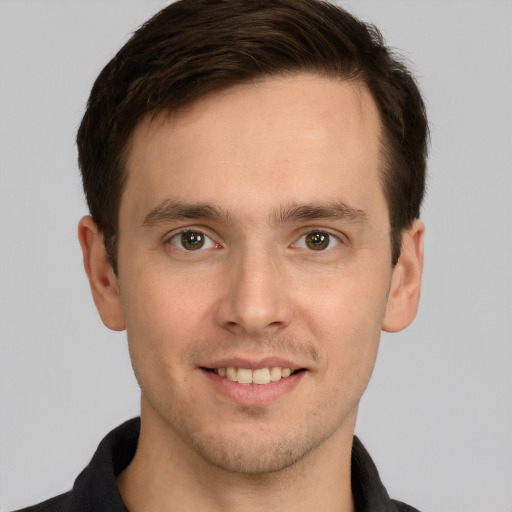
(259, 376)
(254, 383)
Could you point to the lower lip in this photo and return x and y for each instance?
(254, 394)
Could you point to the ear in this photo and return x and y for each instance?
(404, 294)
(102, 280)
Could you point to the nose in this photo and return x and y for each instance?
(256, 297)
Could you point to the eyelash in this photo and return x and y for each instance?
(211, 244)
(331, 238)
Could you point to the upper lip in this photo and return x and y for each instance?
(253, 363)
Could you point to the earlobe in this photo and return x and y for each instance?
(404, 294)
(103, 282)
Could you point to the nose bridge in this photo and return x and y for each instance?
(256, 297)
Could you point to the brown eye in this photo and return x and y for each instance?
(192, 241)
(318, 240)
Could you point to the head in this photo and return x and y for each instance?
(254, 171)
(194, 48)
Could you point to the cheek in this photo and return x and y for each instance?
(162, 301)
(345, 317)
(166, 312)
(349, 330)
(347, 301)
(162, 320)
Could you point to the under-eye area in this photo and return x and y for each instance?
(258, 376)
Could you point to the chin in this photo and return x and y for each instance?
(257, 451)
(250, 458)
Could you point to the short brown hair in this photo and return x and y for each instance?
(193, 48)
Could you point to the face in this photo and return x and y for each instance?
(254, 269)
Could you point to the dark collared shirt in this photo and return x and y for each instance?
(95, 489)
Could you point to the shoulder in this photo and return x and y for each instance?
(61, 503)
(95, 488)
(403, 507)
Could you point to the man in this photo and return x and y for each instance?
(254, 172)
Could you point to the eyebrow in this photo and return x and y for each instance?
(171, 210)
(337, 210)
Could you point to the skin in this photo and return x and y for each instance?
(257, 153)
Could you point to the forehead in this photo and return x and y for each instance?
(273, 142)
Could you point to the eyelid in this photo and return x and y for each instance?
(187, 229)
(167, 239)
(339, 237)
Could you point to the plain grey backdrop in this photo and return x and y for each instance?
(437, 416)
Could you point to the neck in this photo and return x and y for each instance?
(168, 475)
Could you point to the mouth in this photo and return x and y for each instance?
(258, 376)
(254, 383)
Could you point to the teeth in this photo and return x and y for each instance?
(276, 374)
(231, 373)
(259, 376)
(244, 376)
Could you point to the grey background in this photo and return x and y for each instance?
(437, 416)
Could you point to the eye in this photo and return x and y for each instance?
(191, 240)
(317, 241)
